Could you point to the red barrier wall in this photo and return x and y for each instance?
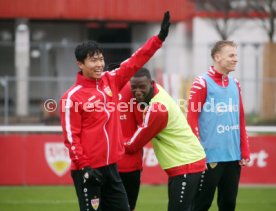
(42, 159)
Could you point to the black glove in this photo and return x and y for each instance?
(165, 26)
(92, 175)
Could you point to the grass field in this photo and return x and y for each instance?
(151, 198)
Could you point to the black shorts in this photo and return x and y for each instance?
(131, 181)
(182, 190)
(223, 176)
(111, 196)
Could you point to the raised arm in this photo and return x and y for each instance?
(130, 66)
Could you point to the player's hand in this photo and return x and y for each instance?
(244, 162)
(92, 175)
(128, 149)
(165, 26)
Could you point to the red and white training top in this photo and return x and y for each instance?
(197, 98)
(89, 115)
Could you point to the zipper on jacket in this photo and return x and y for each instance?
(104, 126)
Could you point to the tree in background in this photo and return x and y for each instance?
(222, 15)
(265, 11)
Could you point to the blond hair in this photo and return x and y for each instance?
(221, 44)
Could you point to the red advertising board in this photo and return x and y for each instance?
(42, 159)
(32, 159)
(261, 168)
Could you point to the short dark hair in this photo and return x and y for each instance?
(87, 48)
(143, 72)
(220, 44)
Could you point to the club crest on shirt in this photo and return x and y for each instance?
(57, 157)
(95, 203)
(213, 165)
(108, 91)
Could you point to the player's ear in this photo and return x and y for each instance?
(217, 57)
(79, 64)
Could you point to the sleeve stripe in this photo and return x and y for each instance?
(146, 121)
(67, 114)
(135, 135)
(200, 82)
(197, 87)
(145, 124)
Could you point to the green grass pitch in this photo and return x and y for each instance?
(151, 198)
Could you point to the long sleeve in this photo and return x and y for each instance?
(155, 120)
(245, 153)
(197, 99)
(130, 66)
(71, 126)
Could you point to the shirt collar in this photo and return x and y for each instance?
(215, 74)
(85, 81)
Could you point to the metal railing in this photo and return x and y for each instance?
(47, 69)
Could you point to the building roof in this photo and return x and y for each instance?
(107, 10)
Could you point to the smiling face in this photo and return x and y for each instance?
(140, 87)
(92, 66)
(226, 59)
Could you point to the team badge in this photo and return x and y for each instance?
(57, 157)
(108, 91)
(213, 165)
(95, 203)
